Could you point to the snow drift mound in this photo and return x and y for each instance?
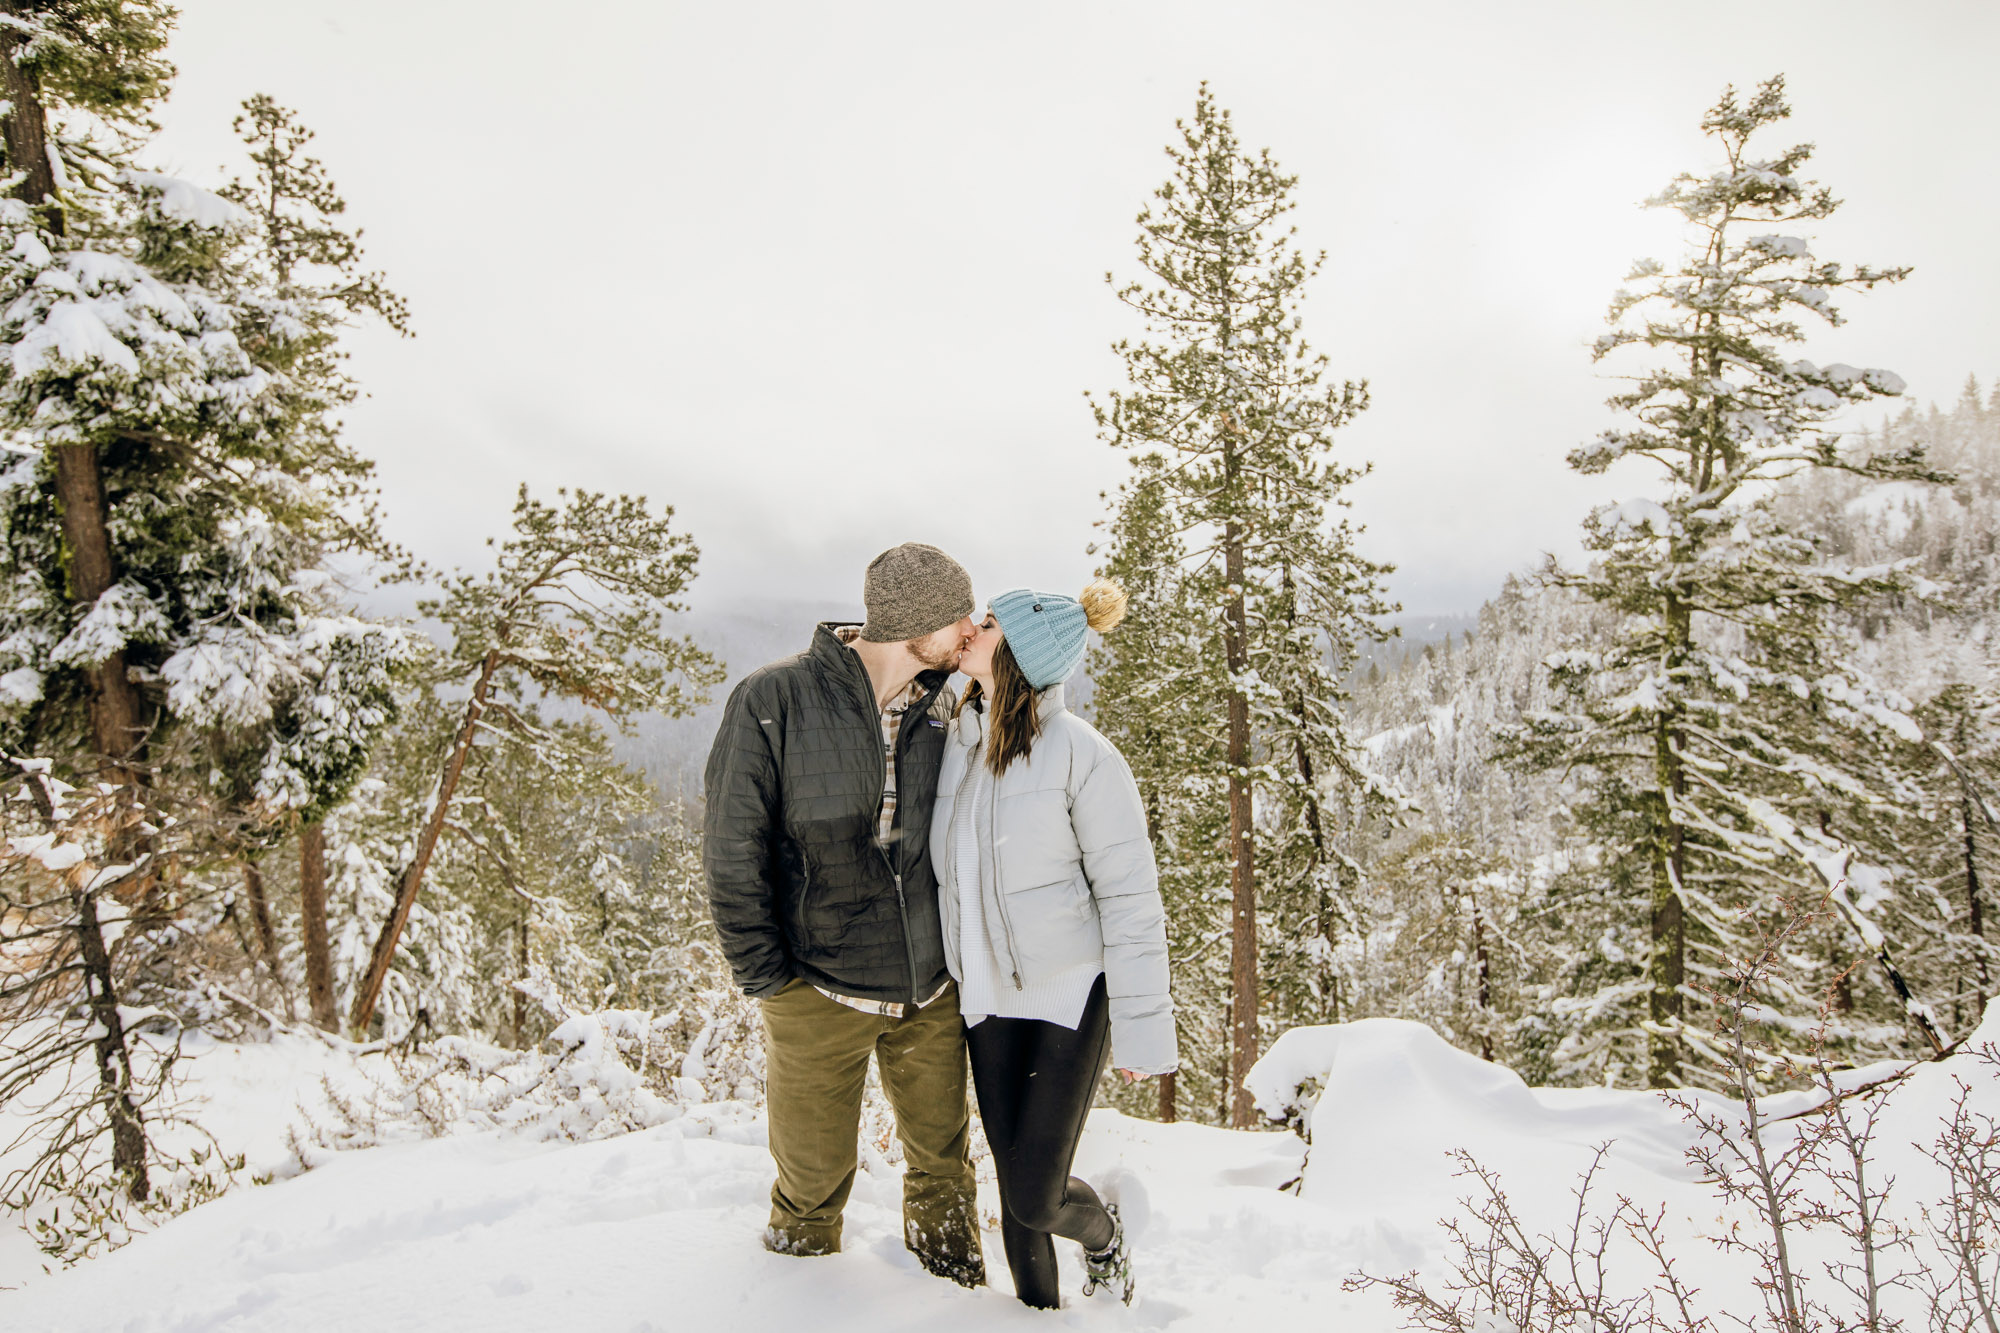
(1382, 1101)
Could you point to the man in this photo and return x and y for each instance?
(817, 854)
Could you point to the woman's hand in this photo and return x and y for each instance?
(1130, 1077)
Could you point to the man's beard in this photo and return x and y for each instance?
(935, 659)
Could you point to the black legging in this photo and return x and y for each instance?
(1035, 1082)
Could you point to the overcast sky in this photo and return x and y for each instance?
(827, 277)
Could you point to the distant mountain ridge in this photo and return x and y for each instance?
(753, 632)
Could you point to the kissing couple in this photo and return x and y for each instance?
(898, 870)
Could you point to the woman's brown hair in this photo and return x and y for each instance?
(1013, 720)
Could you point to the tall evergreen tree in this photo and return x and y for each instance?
(75, 72)
(1156, 696)
(300, 258)
(1736, 750)
(1237, 415)
(164, 618)
(176, 491)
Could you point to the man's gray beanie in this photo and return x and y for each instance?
(913, 590)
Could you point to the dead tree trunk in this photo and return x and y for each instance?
(1972, 804)
(312, 927)
(114, 1060)
(114, 1057)
(1316, 827)
(260, 916)
(267, 938)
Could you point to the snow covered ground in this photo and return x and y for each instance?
(657, 1230)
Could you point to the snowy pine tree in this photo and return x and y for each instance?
(308, 266)
(547, 819)
(1738, 757)
(164, 615)
(1458, 936)
(1435, 725)
(573, 610)
(1942, 652)
(1239, 413)
(1956, 958)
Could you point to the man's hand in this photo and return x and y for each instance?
(1130, 1077)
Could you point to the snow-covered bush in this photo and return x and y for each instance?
(596, 1075)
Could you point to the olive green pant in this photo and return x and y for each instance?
(816, 1054)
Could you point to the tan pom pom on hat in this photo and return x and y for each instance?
(1103, 605)
(1048, 632)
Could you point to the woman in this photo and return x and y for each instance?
(1052, 924)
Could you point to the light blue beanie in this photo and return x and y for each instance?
(1048, 631)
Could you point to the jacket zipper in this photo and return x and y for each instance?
(805, 903)
(999, 894)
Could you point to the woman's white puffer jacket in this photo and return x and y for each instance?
(1066, 873)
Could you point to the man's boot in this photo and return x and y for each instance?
(945, 1239)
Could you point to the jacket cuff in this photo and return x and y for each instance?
(766, 989)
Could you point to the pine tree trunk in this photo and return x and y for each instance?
(1667, 966)
(1485, 981)
(1167, 1115)
(312, 927)
(260, 915)
(267, 938)
(412, 878)
(1974, 914)
(1242, 845)
(24, 130)
(116, 725)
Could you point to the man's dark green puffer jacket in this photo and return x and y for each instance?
(797, 882)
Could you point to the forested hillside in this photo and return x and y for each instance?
(1490, 913)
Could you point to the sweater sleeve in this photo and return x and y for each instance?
(739, 844)
(1110, 823)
